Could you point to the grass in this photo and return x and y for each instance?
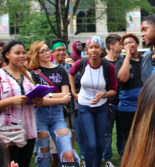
(115, 158)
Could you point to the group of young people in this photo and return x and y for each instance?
(102, 90)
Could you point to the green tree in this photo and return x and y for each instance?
(59, 9)
(35, 27)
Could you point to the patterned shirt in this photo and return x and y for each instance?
(9, 88)
(65, 65)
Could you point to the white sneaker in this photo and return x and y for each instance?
(109, 164)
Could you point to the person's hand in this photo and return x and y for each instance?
(19, 100)
(66, 99)
(127, 50)
(12, 164)
(97, 98)
(76, 97)
(37, 102)
(110, 110)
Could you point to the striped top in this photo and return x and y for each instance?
(8, 88)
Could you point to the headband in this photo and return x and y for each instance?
(57, 44)
(96, 39)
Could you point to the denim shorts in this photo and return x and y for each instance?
(51, 119)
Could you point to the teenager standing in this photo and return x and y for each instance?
(92, 100)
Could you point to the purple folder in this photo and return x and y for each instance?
(39, 91)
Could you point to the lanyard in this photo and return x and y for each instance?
(94, 90)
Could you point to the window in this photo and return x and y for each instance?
(144, 13)
(85, 16)
(116, 21)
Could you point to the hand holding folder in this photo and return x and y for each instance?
(39, 91)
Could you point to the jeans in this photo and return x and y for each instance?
(51, 119)
(78, 133)
(93, 121)
(107, 154)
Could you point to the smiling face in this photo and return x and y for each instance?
(44, 54)
(59, 54)
(148, 33)
(129, 41)
(94, 50)
(16, 55)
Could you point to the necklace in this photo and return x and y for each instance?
(94, 90)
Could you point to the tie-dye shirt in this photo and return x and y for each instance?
(8, 88)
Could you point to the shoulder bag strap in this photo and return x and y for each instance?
(46, 79)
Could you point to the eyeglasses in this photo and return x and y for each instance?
(44, 51)
(59, 50)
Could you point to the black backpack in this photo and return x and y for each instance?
(75, 56)
(106, 66)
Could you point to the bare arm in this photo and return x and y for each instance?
(100, 95)
(17, 100)
(64, 91)
(124, 72)
(61, 98)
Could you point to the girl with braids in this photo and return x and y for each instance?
(15, 82)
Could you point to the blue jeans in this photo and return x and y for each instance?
(107, 155)
(93, 121)
(51, 119)
(78, 133)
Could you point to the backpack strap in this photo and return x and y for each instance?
(83, 62)
(75, 56)
(106, 66)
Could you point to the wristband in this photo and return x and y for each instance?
(50, 95)
(105, 96)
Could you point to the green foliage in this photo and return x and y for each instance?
(116, 10)
(35, 27)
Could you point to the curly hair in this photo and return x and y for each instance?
(127, 35)
(32, 54)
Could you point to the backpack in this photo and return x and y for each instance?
(75, 56)
(106, 66)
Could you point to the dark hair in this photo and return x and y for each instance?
(103, 53)
(150, 19)
(112, 39)
(8, 46)
(53, 41)
(86, 49)
(127, 35)
(2, 44)
(4, 162)
(139, 149)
